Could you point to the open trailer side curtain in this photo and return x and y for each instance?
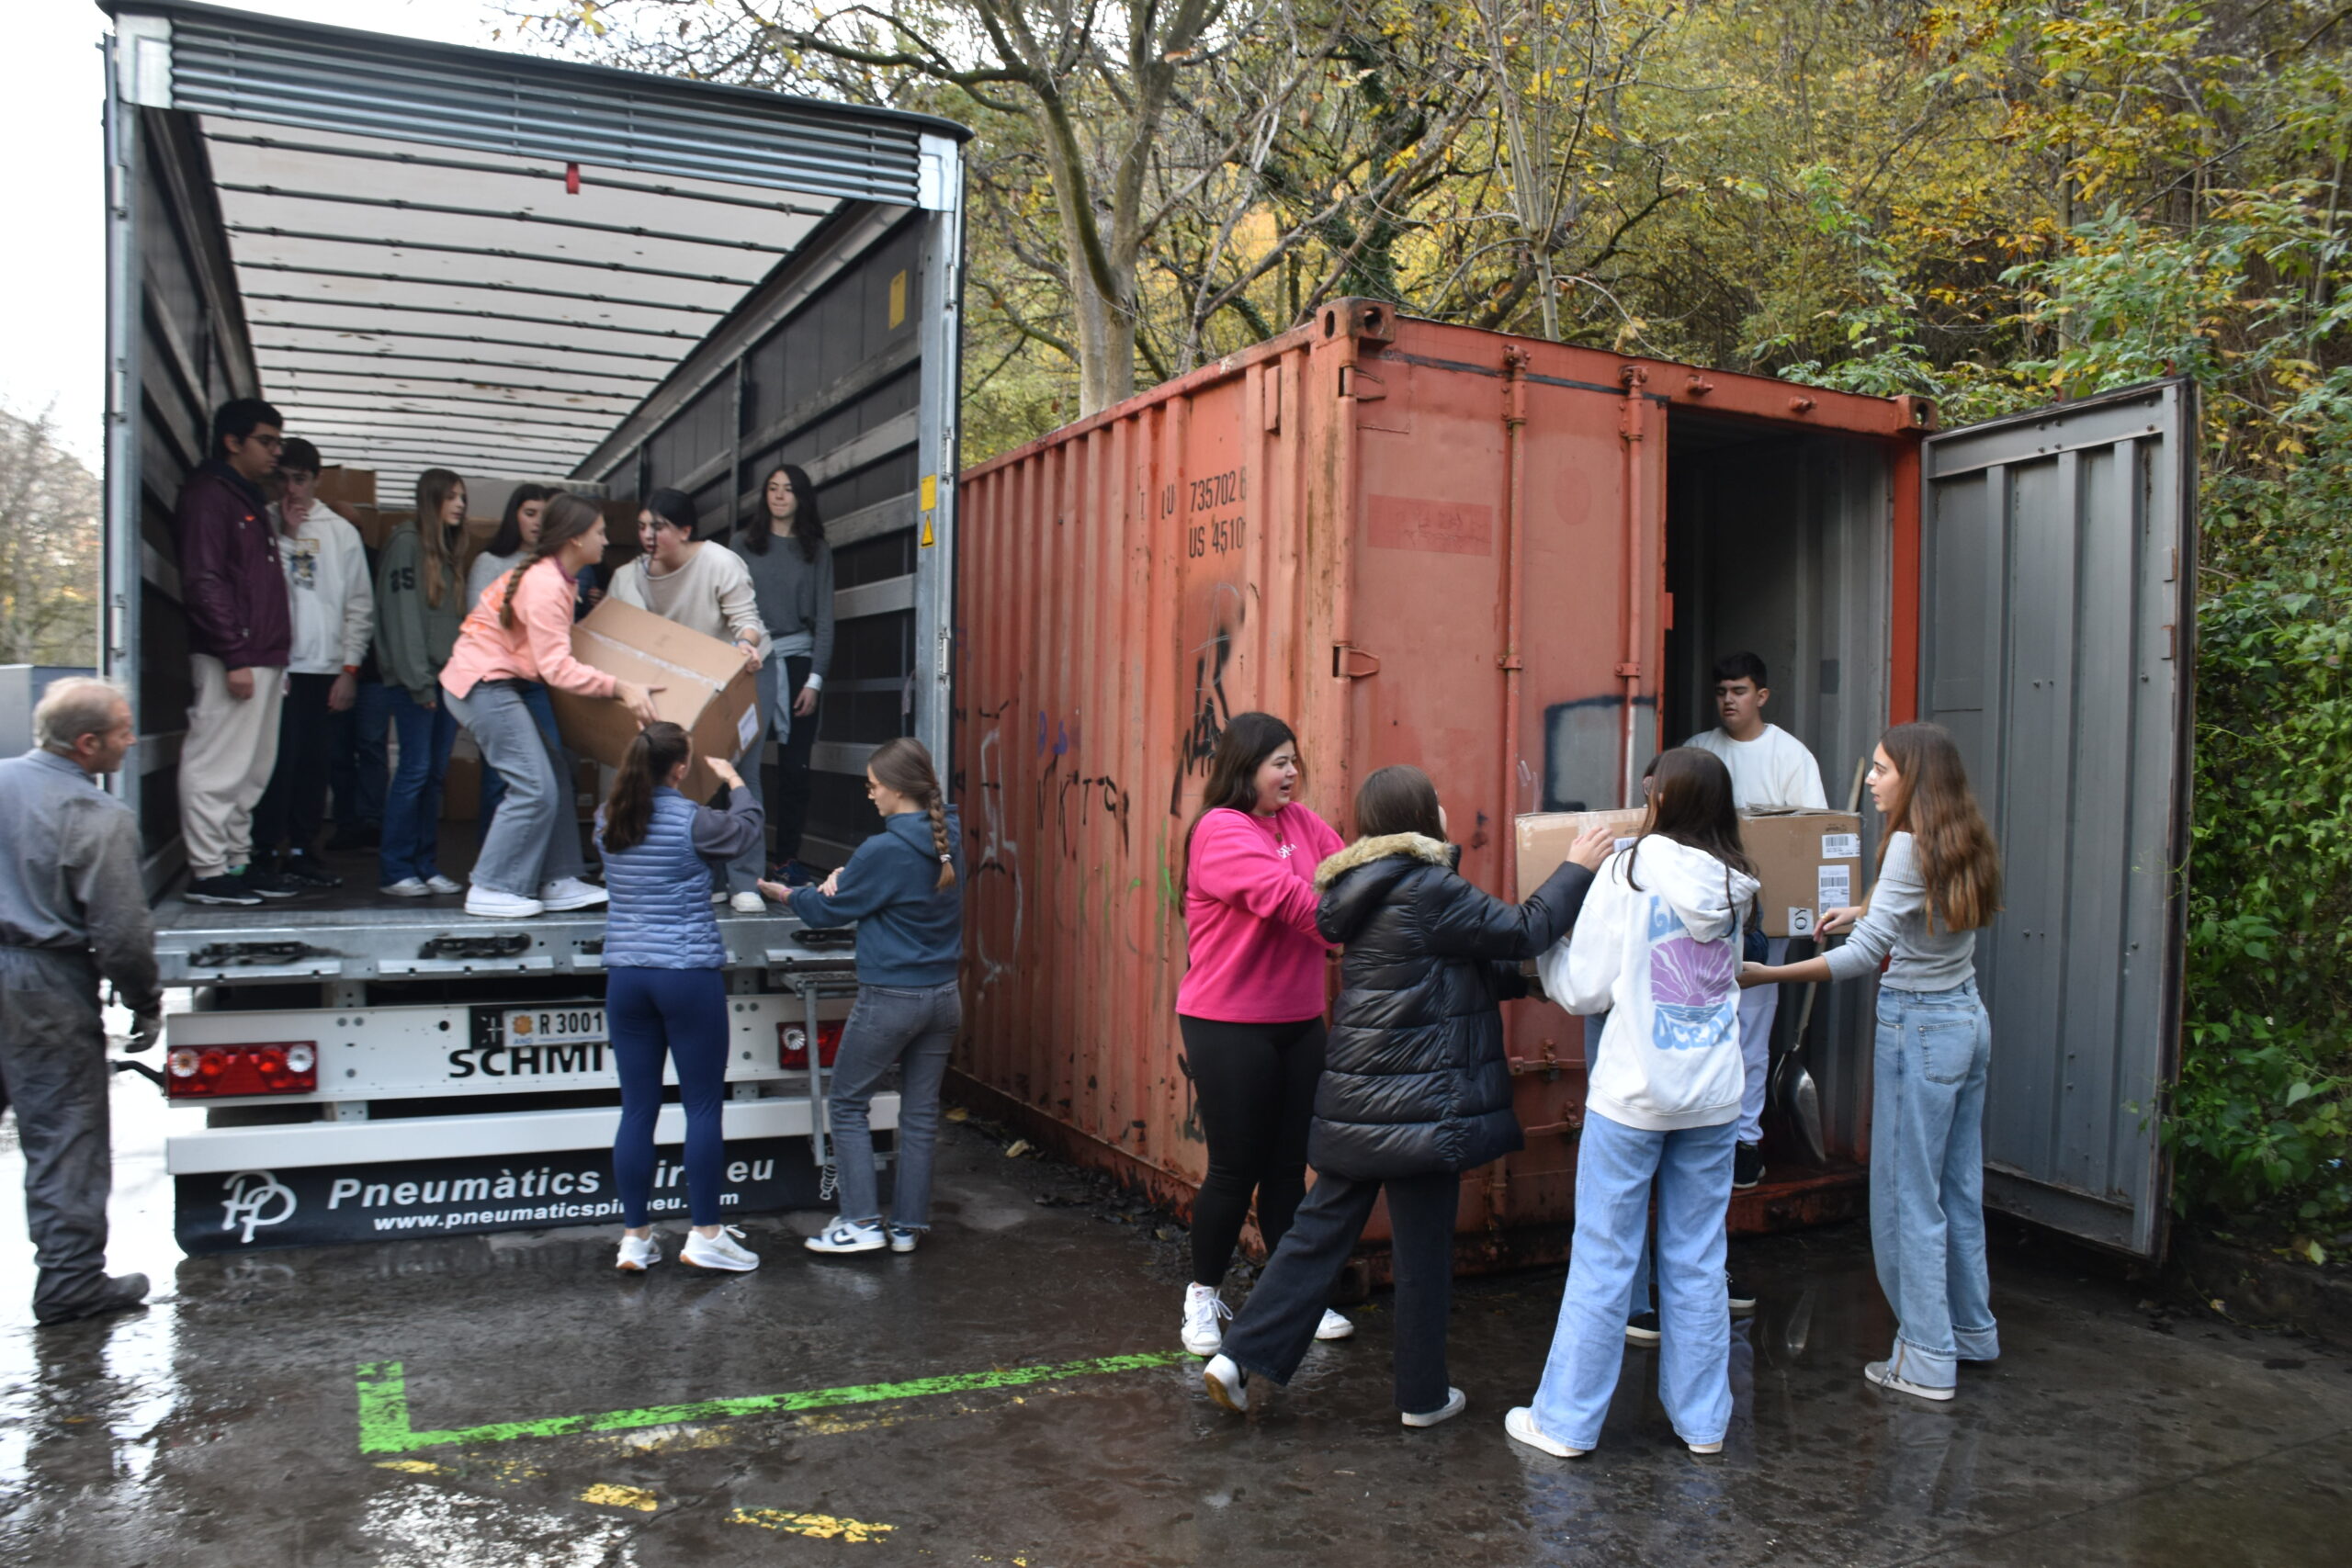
(2059, 553)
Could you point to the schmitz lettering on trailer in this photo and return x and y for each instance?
(529, 1061)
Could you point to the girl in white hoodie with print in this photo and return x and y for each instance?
(1656, 947)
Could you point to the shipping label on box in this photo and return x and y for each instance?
(698, 683)
(1809, 861)
(1546, 838)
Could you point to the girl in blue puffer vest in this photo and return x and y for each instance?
(665, 988)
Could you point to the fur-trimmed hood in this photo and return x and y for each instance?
(1363, 852)
(1358, 880)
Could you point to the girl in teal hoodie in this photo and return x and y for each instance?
(903, 888)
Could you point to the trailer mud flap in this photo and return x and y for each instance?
(317, 1205)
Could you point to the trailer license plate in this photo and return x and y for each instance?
(553, 1026)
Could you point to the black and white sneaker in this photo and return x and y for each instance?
(1742, 1294)
(1641, 1328)
(307, 871)
(268, 883)
(224, 889)
(1747, 1166)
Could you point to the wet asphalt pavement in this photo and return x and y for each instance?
(1008, 1395)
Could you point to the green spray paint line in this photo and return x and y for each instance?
(384, 1422)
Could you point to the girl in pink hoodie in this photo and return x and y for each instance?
(1251, 1005)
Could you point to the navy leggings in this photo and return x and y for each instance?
(680, 1013)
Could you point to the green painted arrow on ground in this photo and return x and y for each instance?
(384, 1421)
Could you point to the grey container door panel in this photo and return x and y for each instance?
(2058, 621)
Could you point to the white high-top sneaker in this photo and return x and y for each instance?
(1203, 1308)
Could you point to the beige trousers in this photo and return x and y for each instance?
(225, 763)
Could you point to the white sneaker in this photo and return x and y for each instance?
(1715, 1448)
(1203, 1307)
(1456, 1403)
(851, 1235)
(1226, 1384)
(748, 904)
(903, 1238)
(720, 1251)
(638, 1253)
(1884, 1374)
(1519, 1424)
(1333, 1327)
(436, 882)
(718, 897)
(490, 904)
(407, 887)
(570, 893)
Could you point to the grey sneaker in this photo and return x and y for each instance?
(119, 1293)
(1456, 1403)
(903, 1238)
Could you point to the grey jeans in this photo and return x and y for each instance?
(53, 1074)
(533, 839)
(913, 1030)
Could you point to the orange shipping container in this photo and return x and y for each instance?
(1509, 562)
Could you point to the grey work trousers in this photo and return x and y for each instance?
(534, 839)
(913, 1029)
(53, 1074)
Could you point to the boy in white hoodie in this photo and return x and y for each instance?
(1658, 947)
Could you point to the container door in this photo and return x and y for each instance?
(2058, 622)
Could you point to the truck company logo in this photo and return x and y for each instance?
(524, 1060)
(256, 1198)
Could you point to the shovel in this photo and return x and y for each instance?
(1792, 1087)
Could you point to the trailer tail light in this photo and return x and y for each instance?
(792, 1041)
(220, 1072)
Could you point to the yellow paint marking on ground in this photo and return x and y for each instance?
(412, 1466)
(819, 1527)
(605, 1495)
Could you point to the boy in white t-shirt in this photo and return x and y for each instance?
(1769, 767)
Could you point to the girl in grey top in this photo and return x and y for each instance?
(792, 576)
(1940, 882)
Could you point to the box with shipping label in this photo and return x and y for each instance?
(1809, 861)
(697, 682)
(1546, 838)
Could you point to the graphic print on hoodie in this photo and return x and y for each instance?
(1693, 986)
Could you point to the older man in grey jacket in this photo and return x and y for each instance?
(73, 912)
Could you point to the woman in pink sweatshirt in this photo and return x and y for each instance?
(518, 635)
(1251, 1005)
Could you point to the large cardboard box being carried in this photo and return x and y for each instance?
(704, 689)
(1546, 838)
(1810, 860)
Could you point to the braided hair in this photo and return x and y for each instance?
(566, 518)
(904, 767)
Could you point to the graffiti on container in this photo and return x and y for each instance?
(1054, 736)
(1000, 856)
(1210, 711)
(1104, 790)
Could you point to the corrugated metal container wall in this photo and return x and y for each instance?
(1418, 544)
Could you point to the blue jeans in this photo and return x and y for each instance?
(915, 1030)
(536, 838)
(1638, 1300)
(1615, 1165)
(680, 1014)
(493, 783)
(1928, 1180)
(413, 805)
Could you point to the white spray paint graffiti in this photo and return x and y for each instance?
(996, 851)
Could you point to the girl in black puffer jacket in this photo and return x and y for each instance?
(1415, 1088)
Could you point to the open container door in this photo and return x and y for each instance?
(2058, 555)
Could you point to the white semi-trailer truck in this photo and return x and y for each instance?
(426, 256)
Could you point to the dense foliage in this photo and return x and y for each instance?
(2000, 202)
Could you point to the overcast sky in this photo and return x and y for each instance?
(52, 272)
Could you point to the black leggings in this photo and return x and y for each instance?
(1255, 1087)
(789, 780)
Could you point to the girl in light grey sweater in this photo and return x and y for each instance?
(1938, 883)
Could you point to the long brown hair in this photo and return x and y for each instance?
(657, 748)
(808, 527)
(1399, 799)
(1691, 804)
(904, 765)
(1247, 740)
(441, 569)
(1958, 861)
(566, 517)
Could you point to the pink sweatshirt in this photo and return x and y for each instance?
(537, 648)
(1250, 917)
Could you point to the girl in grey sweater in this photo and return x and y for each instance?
(792, 576)
(1938, 883)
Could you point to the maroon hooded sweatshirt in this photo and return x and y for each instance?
(231, 586)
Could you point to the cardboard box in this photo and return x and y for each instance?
(1545, 837)
(1810, 860)
(345, 487)
(704, 688)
